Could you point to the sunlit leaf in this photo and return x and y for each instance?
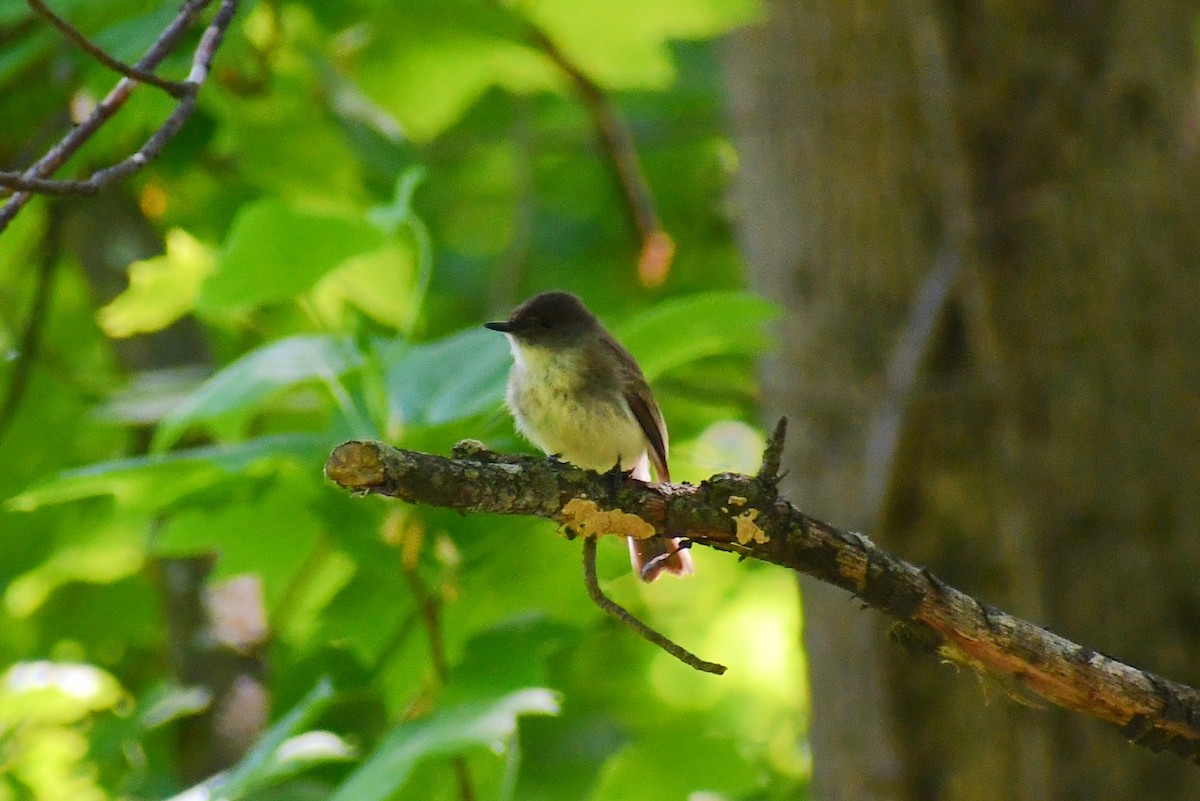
(379, 283)
(451, 730)
(298, 170)
(161, 290)
(257, 767)
(168, 702)
(273, 136)
(377, 584)
(442, 56)
(108, 550)
(274, 252)
(634, 51)
(54, 693)
(702, 765)
(303, 751)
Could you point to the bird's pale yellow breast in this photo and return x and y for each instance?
(555, 411)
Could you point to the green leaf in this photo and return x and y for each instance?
(703, 764)
(285, 142)
(161, 290)
(623, 44)
(447, 380)
(268, 761)
(679, 331)
(304, 751)
(509, 655)
(102, 550)
(13, 11)
(452, 730)
(379, 283)
(127, 40)
(285, 530)
(16, 57)
(244, 384)
(167, 702)
(158, 480)
(275, 252)
(432, 60)
(54, 693)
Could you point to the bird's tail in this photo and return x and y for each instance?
(654, 556)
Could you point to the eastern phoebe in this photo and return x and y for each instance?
(577, 394)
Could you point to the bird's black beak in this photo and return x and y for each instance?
(503, 326)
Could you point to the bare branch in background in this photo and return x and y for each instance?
(658, 248)
(173, 88)
(429, 611)
(35, 324)
(36, 179)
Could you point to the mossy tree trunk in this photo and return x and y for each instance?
(982, 220)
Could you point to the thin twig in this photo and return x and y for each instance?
(34, 179)
(429, 609)
(510, 266)
(903, 377)
(658, 248)
(623, 615)
(431, 618)
(31, 336)
(173, 88)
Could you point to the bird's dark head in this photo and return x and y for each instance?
(548, 320)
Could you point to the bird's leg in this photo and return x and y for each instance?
(616, 477)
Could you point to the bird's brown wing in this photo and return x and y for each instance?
(640, 399)
(642, 404)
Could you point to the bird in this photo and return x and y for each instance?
(577, 394)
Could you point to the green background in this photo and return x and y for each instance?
(362, 185)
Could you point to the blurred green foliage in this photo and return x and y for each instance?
(363, 184)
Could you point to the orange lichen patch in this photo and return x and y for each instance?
(747, 530)
(581, 516)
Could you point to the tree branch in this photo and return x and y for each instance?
(173, 88)
(743, 514)
(36, 180)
